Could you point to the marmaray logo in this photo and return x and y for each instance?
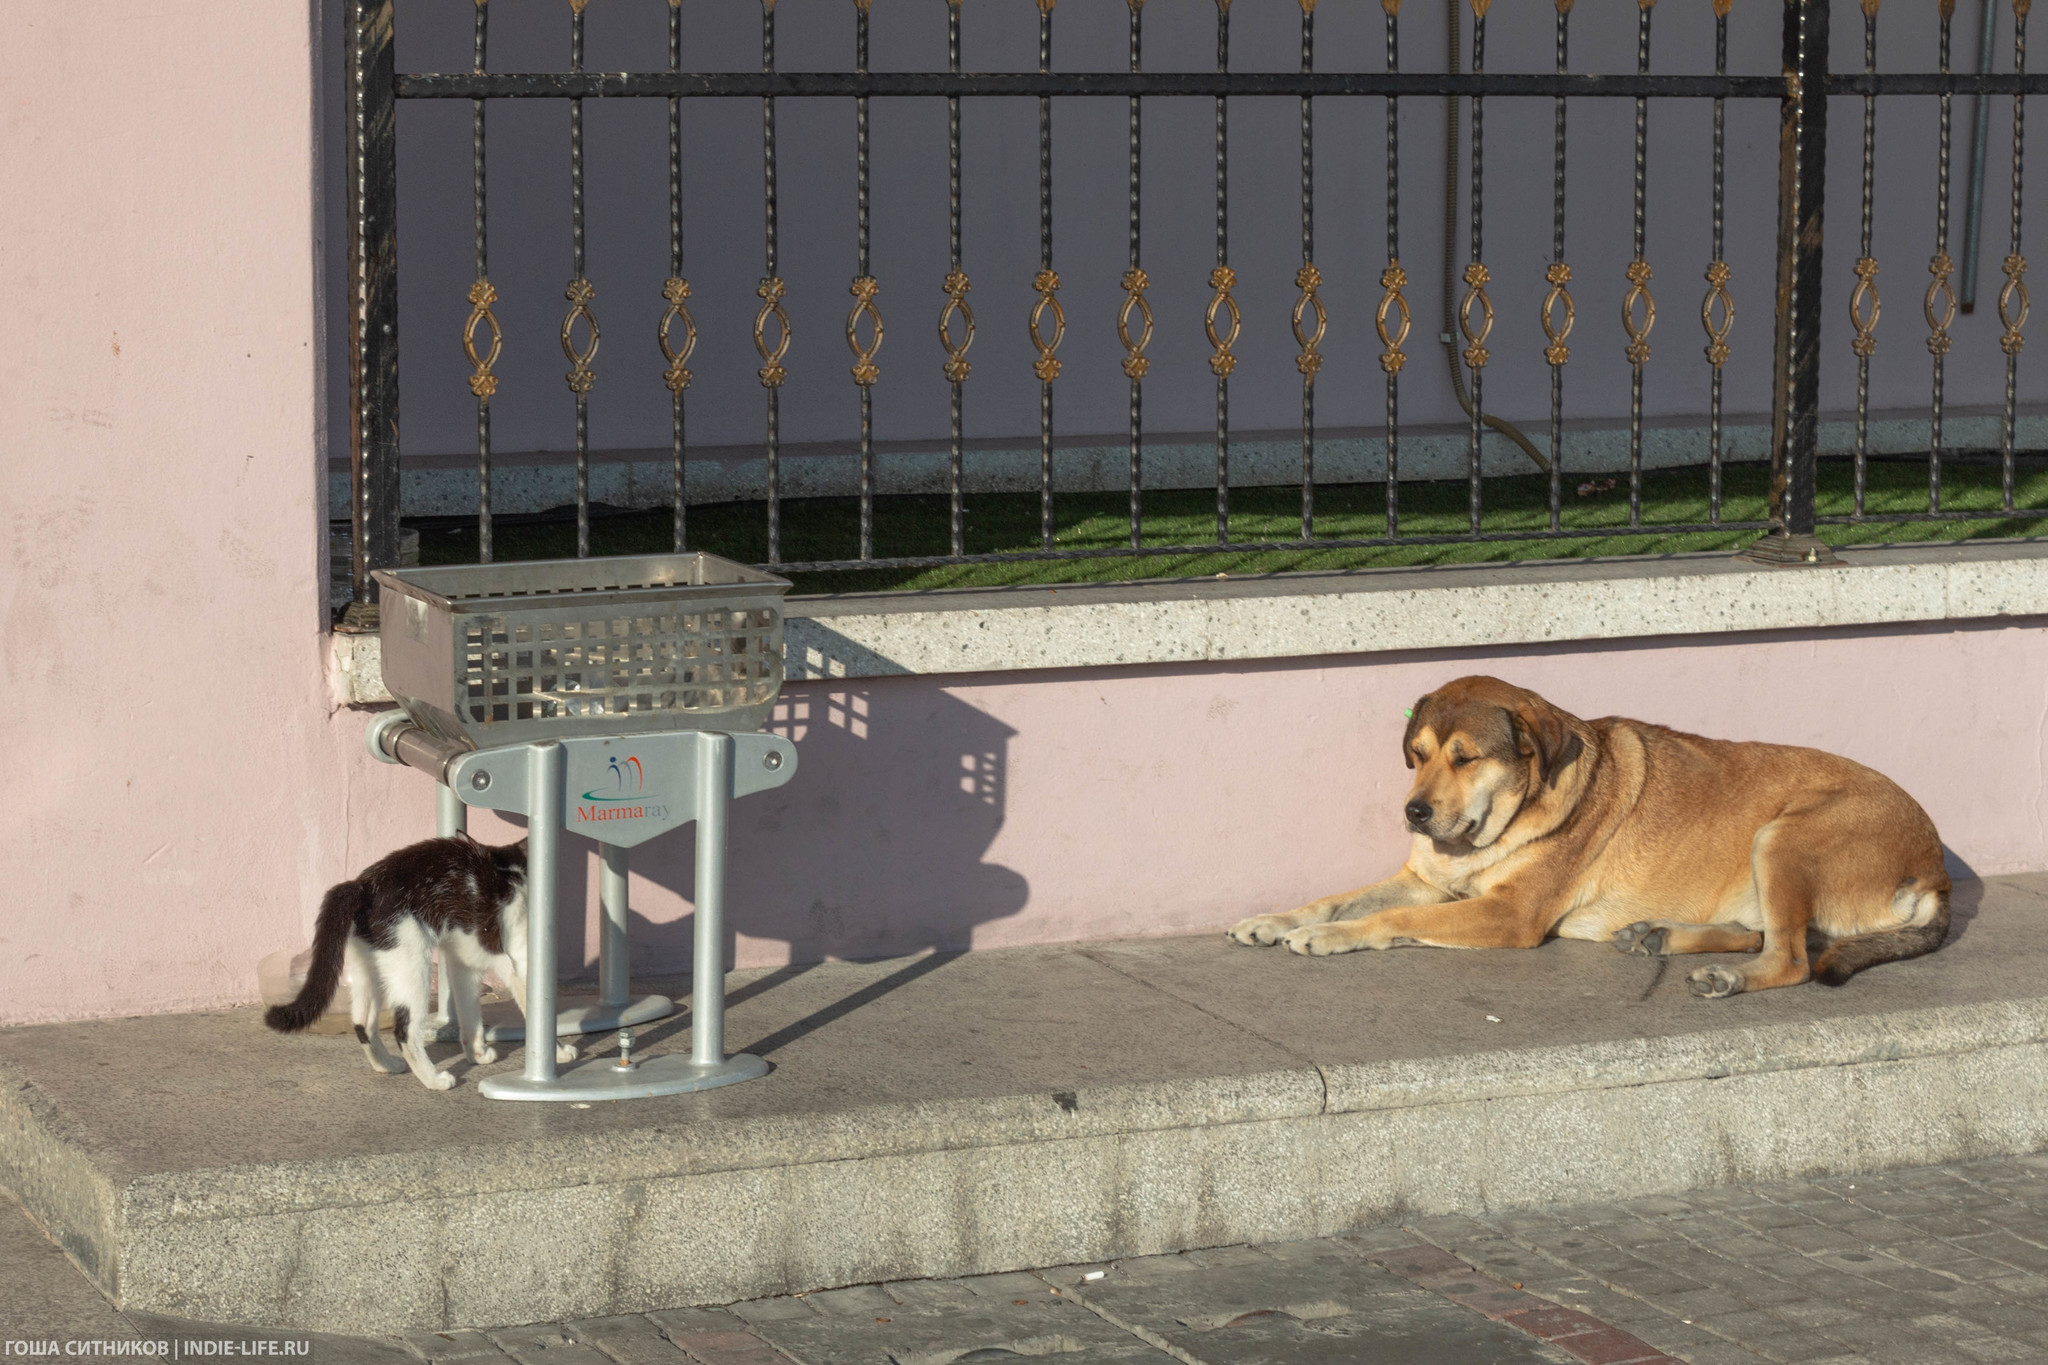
(625, 798)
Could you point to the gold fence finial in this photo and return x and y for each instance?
(581, 377)
(1308, 6)
(956, 367)
(2020, 7)
(676, 292)
(1135, 282)
(1047, 367)
(1479, 8)
(770, 293)
(1865, 319)
(1564, 6)
(864, 289)
(1045, 6)
(2012, 302)
(1721, 7)
(1948, 10)
(1309, 281)
(1390, 6)
(1940, 303)
(1392, 279)
(1556, 331)
(1638, 276)
(1223, 279)
(1718, 275)
(482, 382)
(1476, 354)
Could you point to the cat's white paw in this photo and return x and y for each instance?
(443, 1080)
(484, 1056)
(565, 1052)
(388, 1066)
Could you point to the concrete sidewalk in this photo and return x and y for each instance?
(997, 1111)
(1924, 1266)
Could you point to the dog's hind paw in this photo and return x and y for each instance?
(1258, 929)
(565, 1052)
(1642, 938)
(1715, 983)
(484, 1055)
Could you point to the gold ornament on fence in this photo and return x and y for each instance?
(1638, 348)
(1222, 279)
(1308, 280)
(1393, 280)
(1560, 276)
(770, 293)
(1865, 340)
(865, 371)
(956, 367)
(1135, 363)
(1938, 322)
(1718, 275)
(2013, 305)
(1476, 354)
(482, 382)
(677, 293)
(581, 377)
(1047, 283)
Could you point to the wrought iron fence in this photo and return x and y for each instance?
(1801, 92)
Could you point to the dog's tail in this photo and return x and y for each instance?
(338, 913)
(1844, 957)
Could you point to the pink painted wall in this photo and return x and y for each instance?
(1001, 809)
(165, 798)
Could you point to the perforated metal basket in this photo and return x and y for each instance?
(505, 653)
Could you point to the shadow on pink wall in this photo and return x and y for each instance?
(875, 850)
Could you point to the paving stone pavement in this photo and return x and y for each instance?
(1944, 1265)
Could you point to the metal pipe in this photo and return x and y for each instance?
(613, 951)
(450, 815)
(415, 748)
(1980, 137)
(1448, 337)
(707, 969)
(546, 768)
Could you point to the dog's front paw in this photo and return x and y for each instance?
(1642, 938)
(565, 1052)
(1258, 929)
(1319, 940)
(484, 1055)
(1715, 983)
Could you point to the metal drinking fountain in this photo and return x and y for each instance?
(617, 698)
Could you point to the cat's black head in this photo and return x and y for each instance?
(511, 860)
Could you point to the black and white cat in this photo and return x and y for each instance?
(455, 894)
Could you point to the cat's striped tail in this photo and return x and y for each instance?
(339, 910)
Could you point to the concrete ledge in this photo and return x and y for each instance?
(1278, 616)
(1371, 610)
(1009, 1108)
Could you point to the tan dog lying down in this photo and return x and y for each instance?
(1531, 822)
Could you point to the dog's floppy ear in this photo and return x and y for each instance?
(1414, 724)
(1541, 733)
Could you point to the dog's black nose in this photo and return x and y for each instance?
(1418, 813)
